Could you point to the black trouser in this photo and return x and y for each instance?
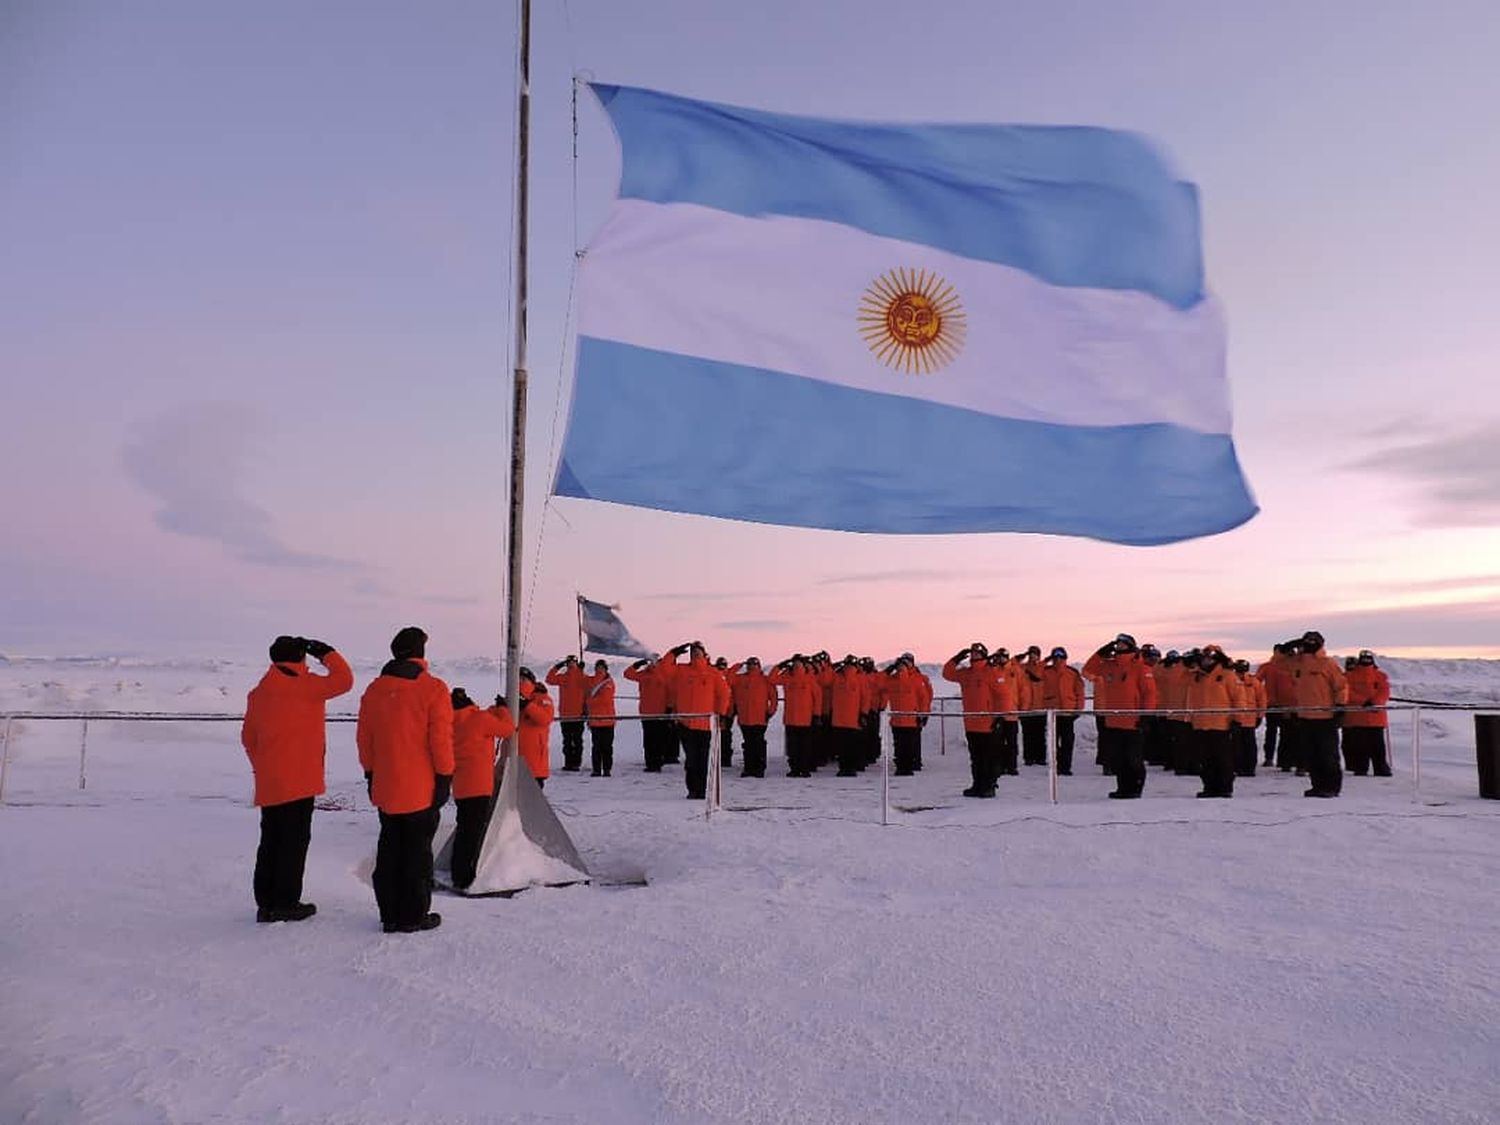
(983, 766)
(468, 835)
(1187, 752)
(1215, 753)
(1006, 750)
(1153, 740)
(1065, 743)
(850, 745)
(1246, 753)
(671, 738)
(798, 750)
(1124, 749)
(726, 740)
(1103, 747)
(1273, 727)
(403, 866)
(820, 743)
(1289, 755)
(1318, 745)
(754, 739)
(869, 730)
(572, 748)
(285, 831)
(653, 742)
(695, 757)
(602, 750)
(1179, 733)
(1034, 740)
(906, 749)
(1365, 747)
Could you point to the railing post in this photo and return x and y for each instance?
(83, 753)
(1052, 752)
(1416, 754)
(942, 726)
(5, 756)
(711, 790)
(887, 748)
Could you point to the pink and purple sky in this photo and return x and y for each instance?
(254, 322)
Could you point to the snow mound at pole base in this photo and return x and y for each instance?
(525, 845)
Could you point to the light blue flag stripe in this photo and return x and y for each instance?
(1075, 206)
(662, 430)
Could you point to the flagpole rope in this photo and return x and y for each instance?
(562, 353)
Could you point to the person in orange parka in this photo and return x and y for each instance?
(405, 739)
(970, 669)
(848, 700)
(800, 694)
(901, 691)
(535, 737)
(1364, 731)
(754, 703)
(1122, 682)
(571, 681)
(1007, 725)
(726, 717)
(702, 695)
(475, 732)
(1062, 692)
(652, 676)
(1213, 692)
(1247, 720)
(283, 736)
(1318, 691)
(1273, 674)
(1033, 726)
(599, 705)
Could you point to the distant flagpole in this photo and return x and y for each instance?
(518, 413)
(578, 605)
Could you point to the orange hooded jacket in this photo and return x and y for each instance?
(536, 731)
(571, 682)
(905, 690)
(1367, 686)
(754, 695)
(701, 689)
(976, 686)
(654, 682)
(283, 732)
(1062, 688)
(800, 693)
(848, 696)
(1317, 685)
(1123, 682)
(599, 703)
(474, 735)
(1211, 695)
(405, 736)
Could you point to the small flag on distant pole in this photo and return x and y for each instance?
(900, 328)
(604, 632)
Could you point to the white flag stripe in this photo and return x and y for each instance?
(784, 294)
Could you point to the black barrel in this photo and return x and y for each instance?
(1487, 748)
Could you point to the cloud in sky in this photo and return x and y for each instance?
(766, 626)
(1457, 475)
(191, 459)
(1466, 625)
(910, 574)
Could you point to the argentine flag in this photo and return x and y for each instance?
(900, 328)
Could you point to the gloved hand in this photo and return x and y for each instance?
(442, 789)
(318, 649)
(369, 785)
(921, 722)
(961, 655)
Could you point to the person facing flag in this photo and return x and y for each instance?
(898, 317)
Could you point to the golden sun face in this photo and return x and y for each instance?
(912, 320)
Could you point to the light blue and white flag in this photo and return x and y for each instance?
(900, 328)
(604, 632)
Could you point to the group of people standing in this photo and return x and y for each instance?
(419, 742)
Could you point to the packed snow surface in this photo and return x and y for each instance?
(1268, 958)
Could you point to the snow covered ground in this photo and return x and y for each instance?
(1269, 958)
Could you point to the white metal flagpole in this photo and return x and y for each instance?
(1052, 753)
(83, 753)
(887, 748)
(1416, 754)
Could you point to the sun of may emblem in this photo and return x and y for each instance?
(912, 320)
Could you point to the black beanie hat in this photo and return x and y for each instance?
(408, 643)
(288, 650)
(460, 699)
